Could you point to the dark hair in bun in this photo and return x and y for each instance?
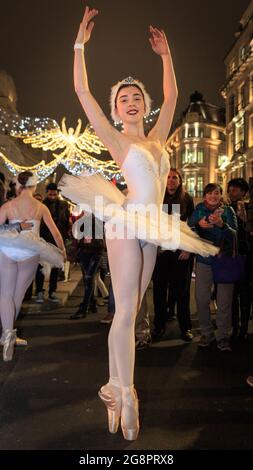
(23, 177)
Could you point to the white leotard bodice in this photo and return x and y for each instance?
(20, 254)
(145, 177)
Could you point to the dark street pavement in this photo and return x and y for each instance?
(189, 398)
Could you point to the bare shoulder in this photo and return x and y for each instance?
(44, 209)
(39, 205)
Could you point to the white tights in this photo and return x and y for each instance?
(131, 270)
(15, 278)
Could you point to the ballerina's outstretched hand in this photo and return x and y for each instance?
(86, 26)
(158, 41)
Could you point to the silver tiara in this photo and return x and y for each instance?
(128, 81)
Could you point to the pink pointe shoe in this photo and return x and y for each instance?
(111, 397)
(8, 341)
(130, 415)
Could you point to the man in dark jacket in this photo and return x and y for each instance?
(89, 255)
(173, 268)
(60, 213)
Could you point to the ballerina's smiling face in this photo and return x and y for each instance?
(130, 106)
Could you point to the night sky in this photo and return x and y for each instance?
(37, 38)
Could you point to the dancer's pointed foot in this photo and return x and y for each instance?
(8, 338)
(111, 397)
(130, 414)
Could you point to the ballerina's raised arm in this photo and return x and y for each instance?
(160, 46)
(115, 142)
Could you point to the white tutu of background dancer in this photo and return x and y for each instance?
(29, 242)
(20, 254)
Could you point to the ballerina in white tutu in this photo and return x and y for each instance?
(20, 253)
(145, 166)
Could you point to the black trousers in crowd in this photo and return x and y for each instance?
(52, 281)
(172, 273)
(89, 263)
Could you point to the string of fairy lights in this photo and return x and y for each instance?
(74, 148)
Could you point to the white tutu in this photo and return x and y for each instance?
(28, 240)
(95, 194)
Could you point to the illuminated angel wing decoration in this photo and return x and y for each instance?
(56, 138)
(77, 148)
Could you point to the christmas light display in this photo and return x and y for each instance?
(77, 148)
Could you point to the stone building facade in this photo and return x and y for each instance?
(197, 144)
(238, 95)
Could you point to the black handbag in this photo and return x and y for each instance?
(228, 269)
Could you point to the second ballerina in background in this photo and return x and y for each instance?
(20, 254)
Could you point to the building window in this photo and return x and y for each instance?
(190, 185)
(191, 157)
(183, 156)
(201, 132)
(200, 186)
(200, 156)
(191, 132)
(222, 136)
(184, 133)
